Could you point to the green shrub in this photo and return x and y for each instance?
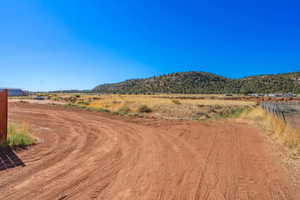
(200, 116)
(96, 109)
(83, 103)
(19, 136)
(56, 99)
(85, 107)
(233, 112)
(176, 102)
(74, 105)
(144, 109)
(72, 99)
(124, 110)
(103, 110)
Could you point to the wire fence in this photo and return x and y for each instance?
(3, 115)
(274, 109)
(293, 103)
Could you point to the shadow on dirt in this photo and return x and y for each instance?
(8, 159)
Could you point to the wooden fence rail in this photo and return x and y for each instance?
(3, 115)
(274, 109)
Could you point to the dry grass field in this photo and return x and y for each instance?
(159, 106)
(283, 132)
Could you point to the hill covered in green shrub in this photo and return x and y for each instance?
(205, 83)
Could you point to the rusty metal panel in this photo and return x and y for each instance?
(3, 115)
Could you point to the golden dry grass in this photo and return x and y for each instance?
(278, 129)
(162, 106)
(116, 101)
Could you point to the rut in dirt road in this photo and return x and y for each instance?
(85, 155)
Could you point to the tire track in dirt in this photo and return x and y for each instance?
(85, 155)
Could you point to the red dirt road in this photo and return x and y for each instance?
(85, 155)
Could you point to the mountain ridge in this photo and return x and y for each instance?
(198, 82)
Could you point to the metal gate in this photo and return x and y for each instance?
(3, 115)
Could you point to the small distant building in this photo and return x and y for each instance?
(289, 95)
(253, 95)
(13, 92)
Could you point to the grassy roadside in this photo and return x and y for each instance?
(234, 112)
(86, 107)
(121, 111)
(277, 129)
(171, 110)
(182, 107)
(18, 136)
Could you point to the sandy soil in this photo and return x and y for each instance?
(86, 155)
(294, 121)
(33, 101)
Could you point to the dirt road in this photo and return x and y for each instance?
(85, 155)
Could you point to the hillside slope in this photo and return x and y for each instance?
(204, 82)
(278, 83)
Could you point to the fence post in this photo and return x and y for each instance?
(274, 109)
(3, 115)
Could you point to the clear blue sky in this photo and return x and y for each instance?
(65, 44)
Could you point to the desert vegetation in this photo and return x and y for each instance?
(188, 107)
(281, 131)
(85, 151)
(159, 106)
(19, 135)
(205, 83)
